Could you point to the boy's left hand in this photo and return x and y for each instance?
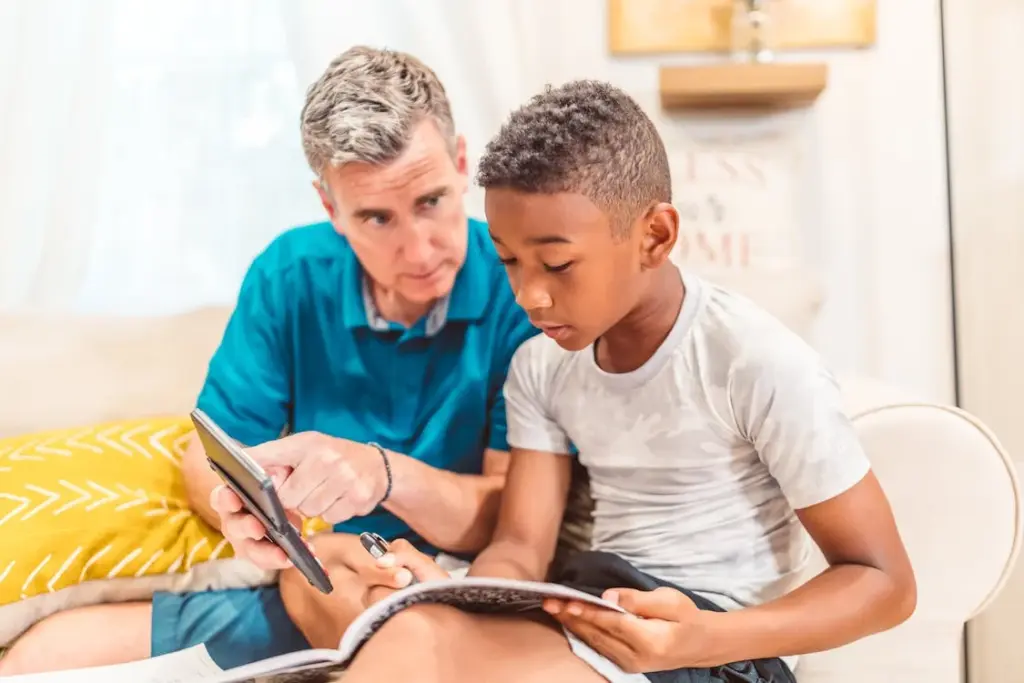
(664, 630)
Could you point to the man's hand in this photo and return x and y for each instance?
(245, 533)
(663, 629)
(315, 476)
(335, 479)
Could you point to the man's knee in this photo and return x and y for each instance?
(322, 619)
(425, 626)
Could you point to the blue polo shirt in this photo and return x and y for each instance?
(305, 350)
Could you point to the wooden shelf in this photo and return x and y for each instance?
(741, 86)
(638, 27)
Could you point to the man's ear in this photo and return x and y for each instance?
(461, 163)
(325, 198)
(660, 229)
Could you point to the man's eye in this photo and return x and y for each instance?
(431, 202)
(379, 221)
(559, 268)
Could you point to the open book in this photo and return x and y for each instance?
(471, 593)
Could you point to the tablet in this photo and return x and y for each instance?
(245, 477)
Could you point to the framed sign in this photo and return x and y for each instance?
(653, 26)
(738, 203)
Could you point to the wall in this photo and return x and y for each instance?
(181, 157)
(878, 225)
(872, 186)
(986, 107)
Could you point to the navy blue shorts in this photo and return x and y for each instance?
(238, 626)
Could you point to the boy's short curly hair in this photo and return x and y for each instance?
(586, 137)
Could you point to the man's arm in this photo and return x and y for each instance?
(247, 390)
(200, 481)
(458, 512)
(454, 512)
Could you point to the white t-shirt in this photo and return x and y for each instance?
(698, 458)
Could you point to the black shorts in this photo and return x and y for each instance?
(596, 572)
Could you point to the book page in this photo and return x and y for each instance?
(186, 666)
(314, 673)
(472, 594)
(305, 665)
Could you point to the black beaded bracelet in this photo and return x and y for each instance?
(387, 468)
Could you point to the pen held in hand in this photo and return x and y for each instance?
(378, 549)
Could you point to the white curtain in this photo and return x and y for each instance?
(148, 151)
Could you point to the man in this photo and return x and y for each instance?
(391, 324)
(712, 435)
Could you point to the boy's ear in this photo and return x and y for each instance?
(660, 230)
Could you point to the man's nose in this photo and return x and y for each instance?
(418, 248)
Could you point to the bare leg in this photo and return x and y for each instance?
(434, 644)
(86, 636)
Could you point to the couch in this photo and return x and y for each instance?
(953, 490)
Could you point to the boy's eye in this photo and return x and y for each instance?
(559, 268)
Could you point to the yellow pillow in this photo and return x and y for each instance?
(98, 514)
(97, 503)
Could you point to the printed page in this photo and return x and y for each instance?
(266, 669)
(187, 666)
(471, 593)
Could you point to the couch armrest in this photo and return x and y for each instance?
(957, 502)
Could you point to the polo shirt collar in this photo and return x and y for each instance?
(467, 300)
(436, 317)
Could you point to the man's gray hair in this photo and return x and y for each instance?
(365, 106)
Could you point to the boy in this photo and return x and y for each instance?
(711, 434)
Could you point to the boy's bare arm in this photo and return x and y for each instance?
(868, 587)
(530, 516)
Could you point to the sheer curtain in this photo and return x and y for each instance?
(148, 151)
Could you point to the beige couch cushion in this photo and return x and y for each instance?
(68, 371)
(956, 500)
(62, 371)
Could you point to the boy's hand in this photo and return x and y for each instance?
(397, 569)
(662, 631)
